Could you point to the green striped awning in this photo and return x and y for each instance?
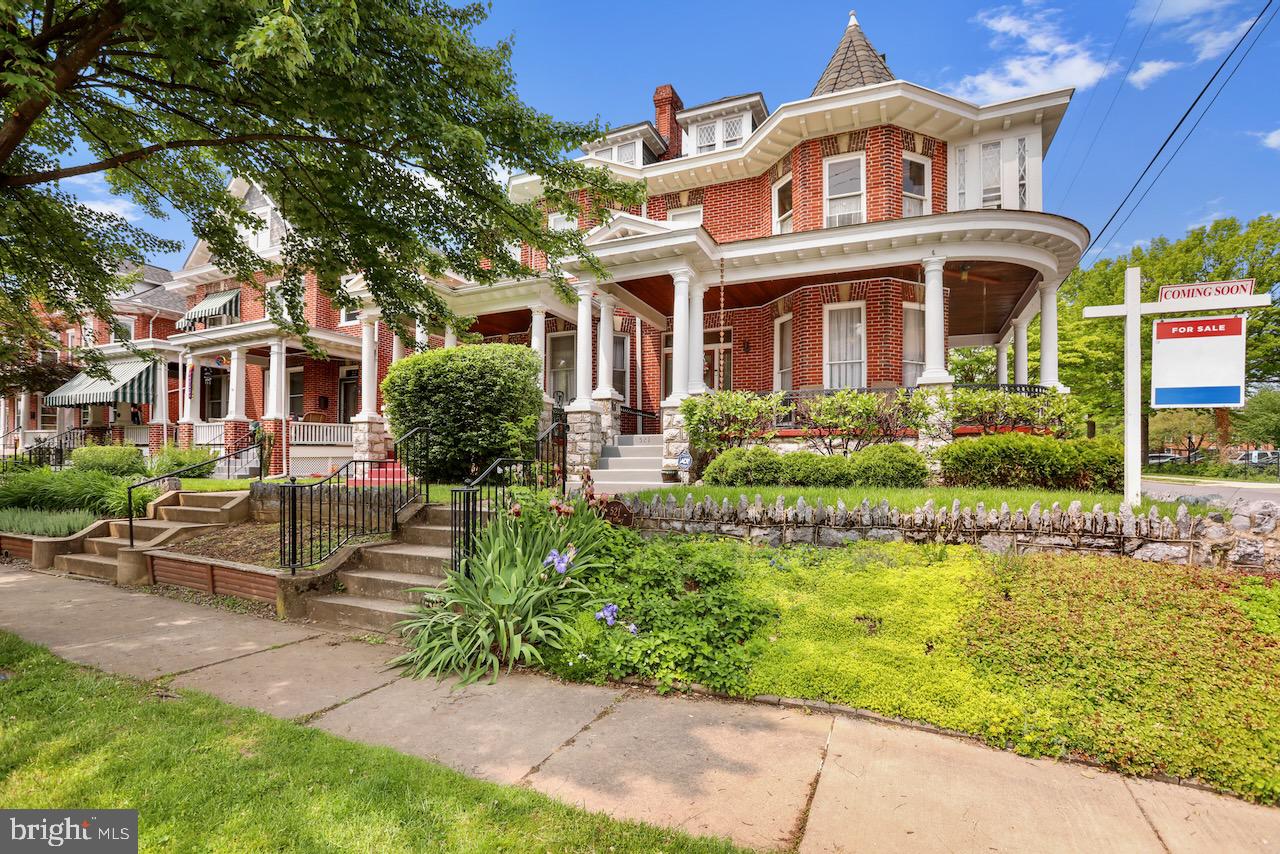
(132, 381)
(223, 302)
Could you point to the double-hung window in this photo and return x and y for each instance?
(991, 196)
(782, 204)
(258, 238)
(625, 153)
(561, 360)
(915, 185)
(125, 332)
(782, 354)
(846, 355)
(733, 131)
(912, 343)
(622, 366)
(843, 196)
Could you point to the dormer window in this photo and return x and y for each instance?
(706, 134)
(719, 134)
(733, 131)
(623, 152)
(991, 196)
(915, 185)
(258, 239)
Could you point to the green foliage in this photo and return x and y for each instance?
(995, 411)
(893, 465)
(44, 523)
(693, 618)
(745, 467)
(719, 420)
(1259, 599)
(802, 468)
(1220, 471)
(1168, 428)
(113, 459)
(1259, 420)
(1022, 460)
(172, 459)
(847, 420)
(73, 489)
(477, 403)
(972, 364)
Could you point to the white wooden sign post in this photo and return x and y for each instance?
(1174, 299)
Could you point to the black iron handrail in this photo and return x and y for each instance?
(1025, 389)
(640, 413)
(362, 498)
(258, 445)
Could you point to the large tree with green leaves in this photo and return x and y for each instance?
(378, 128)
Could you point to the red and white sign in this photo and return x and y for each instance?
(1198, 361)
(1199, 327)
(1200, 290)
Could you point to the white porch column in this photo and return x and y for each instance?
(604, 349)
(278, 383)
(538, 341)
(450, 337)
(1002, 363)
(679, 390)
(582, 350)
(368, 369)
(697, 300)
(235, 386)
(421, 336)
(24, 410)
(193, 397)
(1020, 352)
(1049, 335)
(4, 415)
(935, 328)
(160, 393)
(397, 348)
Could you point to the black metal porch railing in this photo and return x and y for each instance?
(54, 451)
(248, 451)
(491, 489)
(1025, 389)
(362, 498)
(641, 416)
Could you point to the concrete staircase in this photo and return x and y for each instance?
(634, 463)
(195, 511)
(376, 589)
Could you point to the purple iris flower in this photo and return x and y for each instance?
(560, 561)
(609, 613)
(631, 627)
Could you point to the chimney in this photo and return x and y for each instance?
(666, 103)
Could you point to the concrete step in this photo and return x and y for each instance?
(90, 565)
(358, 612)
(414, 558)
(203, 515)
(427, 535)
(435, 514)
(145, 529)
(111, 546)
(631, 452)
(641, 439)
(626, 475)
(613, 487)
(629, 465)
(207, 499)
(382, 584)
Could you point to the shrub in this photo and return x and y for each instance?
(1022, 460)
(477, 402)
(720, 420)
(802, 468)
(997, 411)
(848, 420)
(43, 523)
(73, 489)
(893, 465)
(113, 459)
(172, 459)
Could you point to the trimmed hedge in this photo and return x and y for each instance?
(113, 459)
(173, 459)
(1023, 460)
(892, 465)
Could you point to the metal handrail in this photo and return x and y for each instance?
(1026, 389)
(259, 444)
(640, 413)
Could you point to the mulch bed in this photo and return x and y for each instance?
(256, 543)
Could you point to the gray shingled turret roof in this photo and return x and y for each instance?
(855, 63)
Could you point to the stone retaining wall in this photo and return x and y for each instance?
(1247, 541)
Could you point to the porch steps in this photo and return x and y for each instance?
(389, 473)
(206, 508)
(87, 565)
(634, 463)
(367, 613)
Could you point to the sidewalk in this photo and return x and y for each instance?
(767, 777)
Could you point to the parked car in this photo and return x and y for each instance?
(1157, 459)
(1257, 458)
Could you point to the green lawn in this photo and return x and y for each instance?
(212, 777)
(909, 499)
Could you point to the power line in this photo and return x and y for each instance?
(1182, 120)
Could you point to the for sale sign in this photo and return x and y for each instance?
(1199, 290)
(1198, 361)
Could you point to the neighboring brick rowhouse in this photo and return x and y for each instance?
(666, 103)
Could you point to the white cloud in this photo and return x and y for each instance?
(1213, 42)
(1271, 140)
(1152, 70)
(123, 208)
(1040, 57)
(1167, 11)
(92, 191)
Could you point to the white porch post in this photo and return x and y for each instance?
(582, 350)
(160, 393)
(935, 328)
(604, 349)
(450, 337)
(192, 414)
(368, 368)
(397, 348)
(1049, 335)
(4, 415)
(1002, 363)
(1020, 352)
(235, 386)
(679, 337)
(538, 341)
(277, 382)
(422, 336)
(697, 300)
(24, 407)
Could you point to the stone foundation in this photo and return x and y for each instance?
(585, 445)
(610, 410)
(370, 439)
(675, 441)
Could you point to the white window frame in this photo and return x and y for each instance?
(547, 369)
(717, 125)
(131, 325)
(826, 334)
(348, 375)
(288, 395)
(557, 221)
(1021, 167)
(777, 351)
(345, 319)
(962, 177)
(982, 183)
(791, 215)
(625, 391)
(710, 341)
(928, 185)
(259, 240)
(826, 181)
(674, 212)
(912, 306)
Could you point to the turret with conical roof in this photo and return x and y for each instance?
(855, 63)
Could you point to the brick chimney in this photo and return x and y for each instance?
(666, 103)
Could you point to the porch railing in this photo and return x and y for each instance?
(1025, 389)
(210, 434)
(490, 491)
(137, 434)
(319, 433)
(362, 498)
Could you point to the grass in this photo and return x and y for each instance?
(909, 499)
(45, 523)
(1143, 667)
(208, 776)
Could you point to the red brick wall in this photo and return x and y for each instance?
(666, 103)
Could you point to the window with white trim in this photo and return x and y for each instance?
(782, 354)
(843, 190)
(625, 153)
(717, 359)
(622, 366)
(991, 195)
(125, 333)
(732, 129)
(275, 290)
(912, 343)
(693, 214)
(962, 177)
(560, 222)
(259, 238)
(782, 206)
(561, 360)
(719, 134)
(916, 185)
(349, 316)
(1022, 173)
(705, 137)
(297, 384)
(845, 361)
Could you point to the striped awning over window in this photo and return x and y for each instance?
(223, 302)
(132, 381)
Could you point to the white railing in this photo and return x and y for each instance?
(319, 433)
(207, 434)
(32, 437)
(137, 434)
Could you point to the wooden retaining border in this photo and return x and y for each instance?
(219, 577)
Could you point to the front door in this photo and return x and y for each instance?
(348, 395)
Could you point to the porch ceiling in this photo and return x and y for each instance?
(503, 322)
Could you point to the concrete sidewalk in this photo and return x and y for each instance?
(767, 777)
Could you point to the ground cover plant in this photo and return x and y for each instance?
(73, 489)
(210, 776)
(894, 465)
(45, 523)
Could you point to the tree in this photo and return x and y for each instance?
(1170, 428)
(973, 364)
(1259, 420)
(378, 129)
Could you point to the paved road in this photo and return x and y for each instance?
(769, 777)
(1229, 491)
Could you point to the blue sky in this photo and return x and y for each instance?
(581, 60)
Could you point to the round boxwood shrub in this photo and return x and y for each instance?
(893, 465)
(113, 459)
(1023, 460)
(478, 403)
(726, 468)
(804, 468)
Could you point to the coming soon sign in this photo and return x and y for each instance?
(1198, 361)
